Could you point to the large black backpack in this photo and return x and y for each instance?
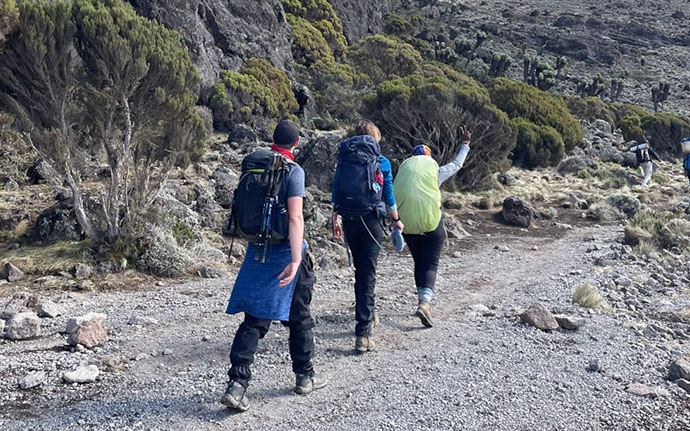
(258, 212)
(359, 187)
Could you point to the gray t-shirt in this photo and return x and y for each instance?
(294, 186)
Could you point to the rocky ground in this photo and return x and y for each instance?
(163, 365)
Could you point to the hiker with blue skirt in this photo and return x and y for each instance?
(276, 278)
(362, 190)
(418, 194)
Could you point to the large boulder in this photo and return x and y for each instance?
(23, 326)
(161, 254)
(243, 134)
(89, 334)
(42, 173)
(19, 303)
(225, 183)
(517, 211)
(58, 223)
(76, 321)
(222, 35)
(361, 18)
(540, 317)
(318, 157)
(210, 212)
(679, 369)
(11, 273)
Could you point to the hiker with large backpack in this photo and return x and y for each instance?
(644, 161)
(276, 278)
(362, 189)
(418, 194)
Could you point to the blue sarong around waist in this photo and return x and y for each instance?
(256, 289)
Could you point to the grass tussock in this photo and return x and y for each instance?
(652, 231)
(587, 296)
(47, 260)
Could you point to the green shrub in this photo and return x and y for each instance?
(664, 131)
(258, 90)
(631, 127)
(429, 108)
(398, 26)
(383, 58)
(518, 99)
(9, 17)
(322, 17)
(622, 110)
(337, 89)
(590, 109)
(16, 156)
(537, 146)
(308, 44)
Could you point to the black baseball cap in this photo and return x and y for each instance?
(286, 133)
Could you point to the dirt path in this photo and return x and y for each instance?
(474, 370)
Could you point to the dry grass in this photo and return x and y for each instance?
(46, 260)
(587, 296)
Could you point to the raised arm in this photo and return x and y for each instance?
(448, 170)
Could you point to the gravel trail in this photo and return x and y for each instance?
(478, 369)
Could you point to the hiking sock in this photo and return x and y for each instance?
(425, 294)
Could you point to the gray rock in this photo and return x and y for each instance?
(23, 325)
(642, 390)
(41, 173)
(82, 271)
(507, 179)
(517, 211)
(83, 374)
(14, 246)
(540, 317)
(11, 273)
(569, 322)
(49, 309)
(32, 380)
(210, 212)
(679, 369)
(502, 248)
(89, 334)
(318, 157)
(243, 134)
(479, 308)
(76, 321)
(19, 303)
(208, 272)
(576, 201)
(2, 328)
(225, 183)
(57, 224)
(574, 164)
(594, 366)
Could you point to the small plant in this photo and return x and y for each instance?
(537, 73)
(591, 89)
(587, 296)
(660, 94)
(500, 63)
(616, 89)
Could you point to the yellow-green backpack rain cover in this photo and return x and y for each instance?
(417, 194)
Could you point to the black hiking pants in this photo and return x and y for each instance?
(362, 235)
(300, 322)
(426, 252)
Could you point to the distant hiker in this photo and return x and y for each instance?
(644, 161)
(362, 189)
(685, 144)
(418, 194)
(276, 278)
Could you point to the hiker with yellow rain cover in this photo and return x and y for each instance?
(418, 195)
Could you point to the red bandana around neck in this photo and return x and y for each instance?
(283, 152)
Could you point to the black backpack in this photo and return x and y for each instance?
(258, 213)
(359, 187)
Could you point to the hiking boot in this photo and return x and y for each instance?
(364, 344)
(304, 383)
(235, 397)
(424, 314)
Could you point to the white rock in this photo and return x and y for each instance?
(83, 374)
(479, 308)
(32, 380)
(569, 322)
(50, 309)
(23, 325)
(647, 391)
(76, 321)
(2, 328)
(142, 321)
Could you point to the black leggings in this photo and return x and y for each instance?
(426, 252)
